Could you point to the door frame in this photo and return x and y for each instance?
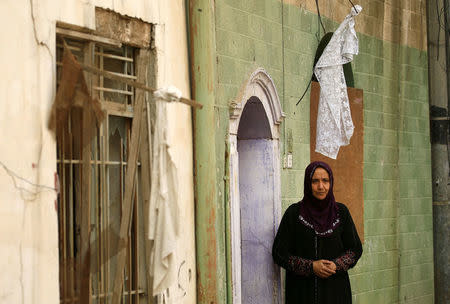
(260, 85)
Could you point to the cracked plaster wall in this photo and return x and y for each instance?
(28, 217)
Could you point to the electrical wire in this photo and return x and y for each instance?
(317, 36)
(356, 11)
(319, 21)
(319, 18)
(304, 93)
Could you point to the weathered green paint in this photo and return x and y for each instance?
(228, 224)
(203, 77)
(397, 264)
(397, 180)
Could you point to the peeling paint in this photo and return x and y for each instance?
(202, 68)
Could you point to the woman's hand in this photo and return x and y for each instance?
(324, 268)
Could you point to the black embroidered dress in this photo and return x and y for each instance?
(297, 245)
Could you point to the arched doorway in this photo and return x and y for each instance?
(255, 197)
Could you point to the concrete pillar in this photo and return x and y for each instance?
(210, 281)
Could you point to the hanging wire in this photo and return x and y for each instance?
(317, 36)
(306, 90)
(319, 21)
(356, 11)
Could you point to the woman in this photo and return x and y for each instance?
(317, 243)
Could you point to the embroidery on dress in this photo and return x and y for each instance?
(300, 265)
(327, 232)
(344, 262)
(334, 121)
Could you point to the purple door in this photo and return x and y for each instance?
(260, 277)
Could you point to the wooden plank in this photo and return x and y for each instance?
(70, 47)
(86, 36)
(107, 208)
(136, 215)
(103, 261)
(133, 83)
(142, 62)
(104, 222)
(349, 165)
(77, 162)
(76, 128)
(118, 91)
(96, 239)
(145, 157)
(117, 109)
(86, 222)
(123, 58)
(62, 218)
(70, 26)
(85, 278)
(96, 186)
(138, 258)
(129, 269)
(72, 203)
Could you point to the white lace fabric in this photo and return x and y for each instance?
(334, 121)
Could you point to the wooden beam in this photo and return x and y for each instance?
(86, 36)
(117, 109)
(70, 26)
(85, 277)
(130, 178)
(145, 156)
(77, 198)
(133, 83)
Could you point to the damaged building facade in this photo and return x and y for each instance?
(239, 160)
(65, 194)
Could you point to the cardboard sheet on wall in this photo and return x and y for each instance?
(348, 167)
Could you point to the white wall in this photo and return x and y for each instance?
(171, 44)
(28, 218)
(149, 10)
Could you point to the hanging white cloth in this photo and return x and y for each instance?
(334, 120)
(163, 217)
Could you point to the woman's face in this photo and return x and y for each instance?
(320, 183)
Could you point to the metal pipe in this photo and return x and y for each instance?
(203, 86)
(439, 82)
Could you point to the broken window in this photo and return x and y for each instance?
(102, 183)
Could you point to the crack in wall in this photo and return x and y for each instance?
(39, 43)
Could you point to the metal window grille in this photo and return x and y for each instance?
(109, 150)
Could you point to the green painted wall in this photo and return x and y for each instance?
(397, 264)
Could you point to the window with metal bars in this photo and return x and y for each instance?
(104, 185)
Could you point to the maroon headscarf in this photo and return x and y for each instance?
(321, 215)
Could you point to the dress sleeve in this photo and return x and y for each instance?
(281, 254)
(352, 244)
(345, 261)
